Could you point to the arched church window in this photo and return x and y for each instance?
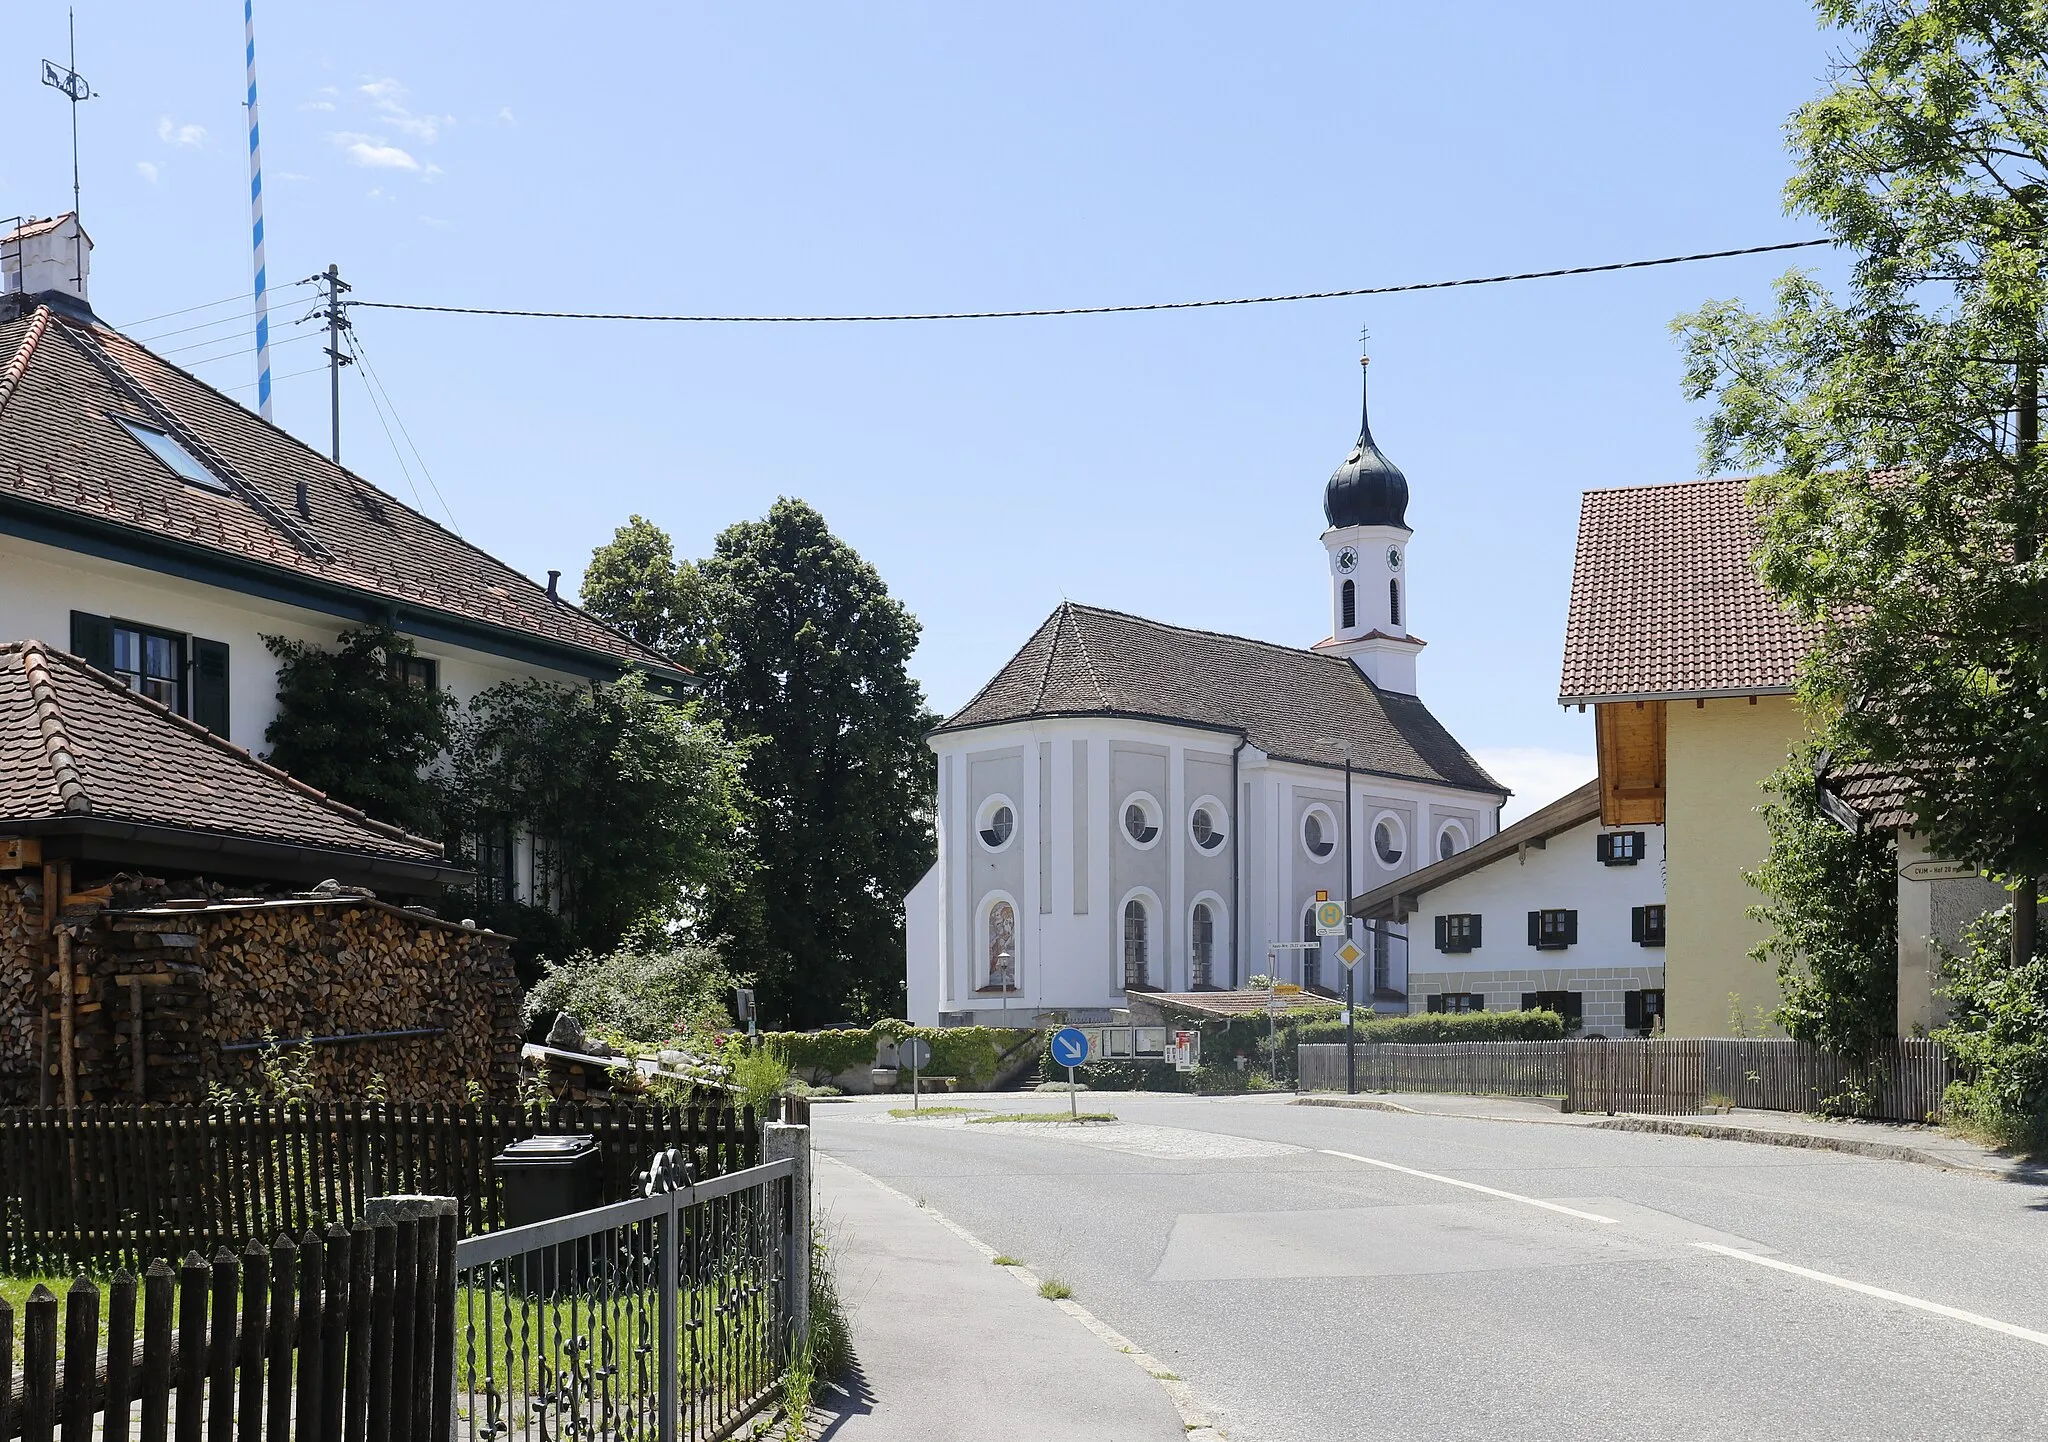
(1394, 602)
(1312, 958)
(1204, 958)
(1136, 970)
(1002, 946)
(1350, 604)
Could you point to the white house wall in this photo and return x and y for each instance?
(40, 586)
(1565, 874)
(1070, 869)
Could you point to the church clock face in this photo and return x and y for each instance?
(1347, 560)
(1393, 559)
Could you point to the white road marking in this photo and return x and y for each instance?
(1472, 1187)
(1991, 1324)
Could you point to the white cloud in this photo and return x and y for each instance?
(372, 152)
(1537, 775)
(318, 105)
(387, 93)
(172, 133)
(506, 116)
(147, 171)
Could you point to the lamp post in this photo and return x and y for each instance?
(1350, 971)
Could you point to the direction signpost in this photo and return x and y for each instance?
(1070, 1049)
(1350, 955)
(914, 1052)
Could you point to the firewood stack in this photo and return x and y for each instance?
(211, 970)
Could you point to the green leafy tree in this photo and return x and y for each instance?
(636, 996)
(1832, 906)
(1904, 503)
(806, 655)
(352, 724)
(1998, 1030)
(633, 796)
(634, 583)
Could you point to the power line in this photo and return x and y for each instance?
(1094, 309)
(241, 298)
(356, 344)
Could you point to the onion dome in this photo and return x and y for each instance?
(1368, 489)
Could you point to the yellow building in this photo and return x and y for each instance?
(1690, 665)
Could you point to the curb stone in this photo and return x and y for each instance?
(1196, 1420)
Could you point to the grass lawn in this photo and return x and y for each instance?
(1044, 1117)
(14, 1290)
(932, 1111)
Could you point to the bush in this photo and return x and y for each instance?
(1998, 1030)
(1431, 1027)
(759, 1075)
(969, 1053)
(639, 998)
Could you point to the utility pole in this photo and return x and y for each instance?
(337, 322)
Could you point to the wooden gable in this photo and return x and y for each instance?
(1630, 737)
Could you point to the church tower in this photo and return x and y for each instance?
(1366, 505)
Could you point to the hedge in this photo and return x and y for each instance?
(1443, 1026)
(969, 1053)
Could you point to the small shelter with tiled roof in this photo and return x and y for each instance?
(1132, 807)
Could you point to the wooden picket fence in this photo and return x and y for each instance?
(122, 1183)
(346, 1337)
(1904, 1081)
(1471, 1068)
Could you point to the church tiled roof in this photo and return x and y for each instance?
(67, 462)
(1666, 601)
(1288, 702)
(77, 745)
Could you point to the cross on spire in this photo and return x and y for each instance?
(1364, 335)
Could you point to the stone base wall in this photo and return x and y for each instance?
(211, 973)
(1600, 988)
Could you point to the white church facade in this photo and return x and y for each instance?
(1130, 806)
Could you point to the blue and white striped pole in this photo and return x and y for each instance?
(256, 225)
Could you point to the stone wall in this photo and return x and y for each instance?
(211, 973)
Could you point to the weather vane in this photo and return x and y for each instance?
(66, 78)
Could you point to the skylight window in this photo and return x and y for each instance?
(179, 461)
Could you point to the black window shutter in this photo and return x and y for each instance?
(1476, 919)
(1435, 1003)
(1574, 1006)
(1635, 930)
(1529, 1001)
(210, 685)
(1632, 1010)
(92, 640)
(1443, 933)
(1603, 847)
(1571, 928)
(1535, 928)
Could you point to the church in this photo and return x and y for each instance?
(1132, 807)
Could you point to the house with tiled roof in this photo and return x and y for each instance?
(1690, 664)
(1130, 807)
(160, 530)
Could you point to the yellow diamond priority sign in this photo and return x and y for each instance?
(1349, 954)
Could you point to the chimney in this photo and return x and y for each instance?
(46, 258)
(554, 578)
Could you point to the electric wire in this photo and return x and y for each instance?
(238, 350)
(126, 326)
(1091, 309)
(396, 454)
(320, 369)
(370, 372)
(240, 317)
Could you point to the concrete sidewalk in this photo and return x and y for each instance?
(949, 1348)
(1890, 1141)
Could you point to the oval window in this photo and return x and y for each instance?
(1316, 834)
(996, 832)
(1386, 841)
(1208, 834)
(1138, 824)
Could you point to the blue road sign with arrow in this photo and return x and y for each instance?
(1069, 1046)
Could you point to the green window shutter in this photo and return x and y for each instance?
(1635, 927)
(1571, 928)
(92, 640)
(1435, 1003)
(1535, 928)
(1443, 936)
(1603, 847)
(1574, 1006)
(210, 685)
(1529, 1001)
(1477, 919)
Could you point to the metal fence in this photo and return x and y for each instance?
(1471, 1068)
(664, 1318)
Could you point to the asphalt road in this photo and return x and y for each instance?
(1304, 1295)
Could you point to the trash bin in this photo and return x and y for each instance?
(544, 1178)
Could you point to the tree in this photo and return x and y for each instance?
(634, 583)
(1904, 503)
(632, 798)
(1832, 906)
(352, 722)
(806, 656)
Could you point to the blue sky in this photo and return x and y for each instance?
(911, 157)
